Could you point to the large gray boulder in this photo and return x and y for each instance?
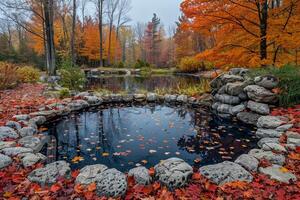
(139, 97)
(111, 183)
(93, 100)
(263, 141)
(49, 114)
(260, 108)
(14, 151)
(247, 161)
(49, 174)
(284, 128)
(182, 98)
(260, 94)
(227, 99)
(14, 125)
(271, 122)
(248, 117)
(116, 98)
(27, 131)
(4, 161)
(225, 172)
(21, 117)
(237, 109)
(29, 159)
(260, 154)
(89, 173)
(292, 135)
(38, 120)
(238, 71)
(7, 133)
(170, 98)
(151, 97)
(7, 144)
(268, 81)
(293, 141)
(140, 175)
(235, 88)
(76, 105)
(173, 172)
(276, 172)
(31, 142)
(227, 78)
(224, 108)
(273, 147)
(128, 98)
(268, 133)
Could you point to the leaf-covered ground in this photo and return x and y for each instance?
(14, 184)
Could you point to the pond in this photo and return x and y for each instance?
(123, 137)
(135, 83)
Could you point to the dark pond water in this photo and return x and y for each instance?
(124, 137)
(132, 83)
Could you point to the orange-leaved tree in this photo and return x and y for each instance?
(246, 33)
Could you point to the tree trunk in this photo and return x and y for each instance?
(263, 30)
(73, 34)
(48, 12)
(100, 16)
(109, 42)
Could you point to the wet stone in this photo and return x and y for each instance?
(227, 99)
(182, 98)
(260, 94)
(93, 100)
(225, 172)
(139, 97)
(30, 142)
(140, 175)
(7, 132)
(271, 122)
(268, 155)
(170, 98)
(78, 105)
(4, 161)
(14, 125)
(29, 159)
(4, 145)
(49, 174)
(173, 172)
(151, 97)
(89, 173)
(111, 183)
(248, 117)
(27, 131)
(260, 108)
(14, 151)
(263, 141)
(21, 117)
(276, 173)
(268, 81)
(273, 147)
(38, 120)
(268, 133)
(284, 128)
(247, 161)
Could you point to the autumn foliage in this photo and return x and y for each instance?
(246, 33)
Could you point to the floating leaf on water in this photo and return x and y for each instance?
(119, 146)
(89, 149)
(167, 153)
(144, 161)
(231, 148)
(105, 154)
(210, 148)
(244, 146)
(94, 159)
(152, 151)
(226, 157)
(77, 159)
(98, 148)
(177, 153)
(238, 140)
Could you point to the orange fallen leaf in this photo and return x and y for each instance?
(55, 188)
(92, 187)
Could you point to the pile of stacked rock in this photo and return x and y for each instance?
(237, 94)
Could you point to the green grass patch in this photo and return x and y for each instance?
(289, 82)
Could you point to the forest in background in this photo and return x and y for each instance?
(226, 33)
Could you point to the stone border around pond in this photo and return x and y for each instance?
(173, 172)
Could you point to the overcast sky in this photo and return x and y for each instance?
(167, 10)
